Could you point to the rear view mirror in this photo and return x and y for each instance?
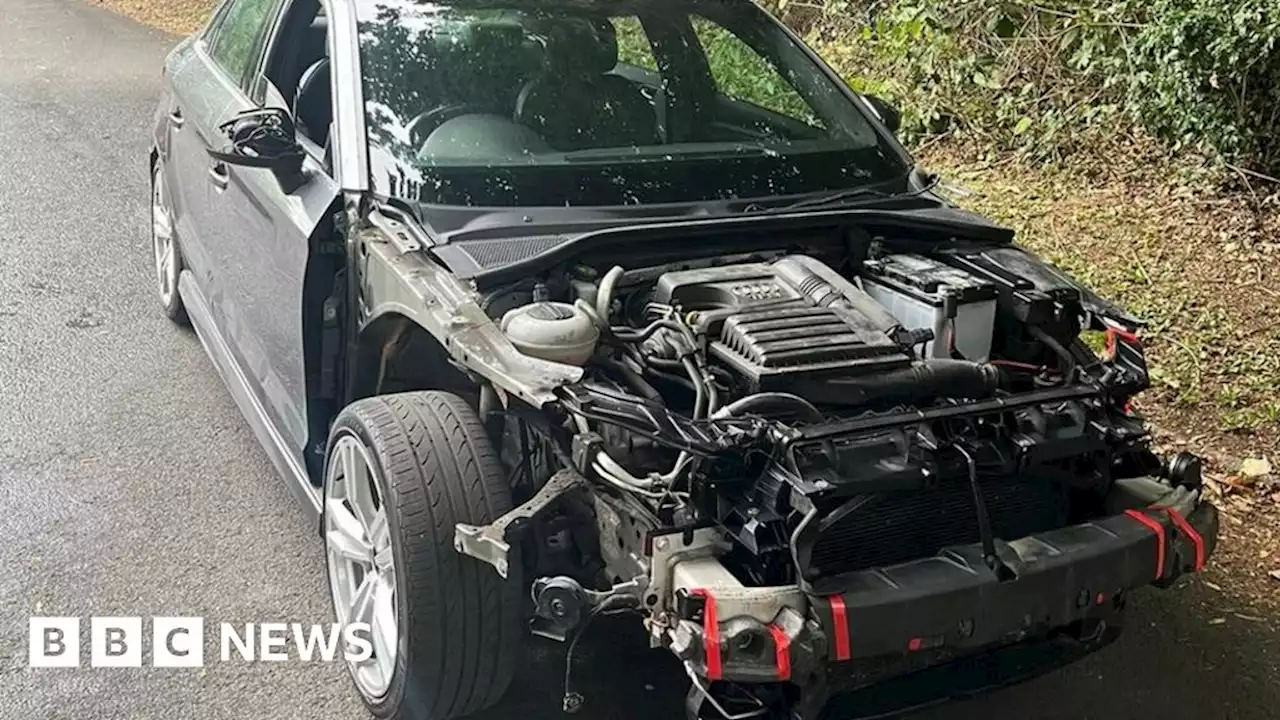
(264, 138)
(888, 114)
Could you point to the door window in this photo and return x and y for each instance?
(744, 75)
(238, 37)
(297, 69)
(633, 44)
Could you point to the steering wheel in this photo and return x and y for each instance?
(421, 126)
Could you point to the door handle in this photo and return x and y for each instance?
(219, 176)
(176, 119)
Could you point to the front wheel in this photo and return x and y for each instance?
(401, 471)
(164, 248)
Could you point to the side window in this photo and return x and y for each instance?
(298, 70)
(633, 45)
(743, 74)
(238, 37)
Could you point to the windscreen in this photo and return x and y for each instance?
(593, 103)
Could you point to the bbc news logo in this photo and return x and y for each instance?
(180, 642)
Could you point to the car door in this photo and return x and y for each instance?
(256, 235)
(185, 160)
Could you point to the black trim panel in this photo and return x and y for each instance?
(954, 601)
(943, 223)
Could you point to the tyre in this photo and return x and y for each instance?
(401, 471)
(164, 248)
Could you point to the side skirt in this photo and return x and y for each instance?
(287, 463)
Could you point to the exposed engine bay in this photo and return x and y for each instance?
(759, 441)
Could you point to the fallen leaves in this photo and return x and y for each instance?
(1256, 482)
(1219, 485)
(1275, 575)
(179, 17)
(1253, 468)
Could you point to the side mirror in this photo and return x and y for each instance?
(888, 114)
(264, 138)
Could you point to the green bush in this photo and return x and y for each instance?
(1207, 71)
(1047, 77)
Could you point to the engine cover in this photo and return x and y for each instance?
(772, 323)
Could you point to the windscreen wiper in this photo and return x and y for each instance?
(859, 193)
(665, 153)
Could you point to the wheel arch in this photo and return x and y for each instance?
(393, 352)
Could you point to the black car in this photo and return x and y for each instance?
(549, 309)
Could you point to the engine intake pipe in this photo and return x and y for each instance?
(923, 381)
(828, 288)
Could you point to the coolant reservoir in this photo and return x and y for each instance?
(552, 331)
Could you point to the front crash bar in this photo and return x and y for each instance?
(953, 603)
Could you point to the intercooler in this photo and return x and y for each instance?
(898, 526)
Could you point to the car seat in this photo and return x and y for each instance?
(575, 102)
(313, 105)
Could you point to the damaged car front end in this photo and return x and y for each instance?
(802, 495)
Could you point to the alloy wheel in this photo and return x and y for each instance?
(362, 572)
(162, 238)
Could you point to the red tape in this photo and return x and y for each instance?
(781, 652)
(840, 625)
(710, 634)
(1109, 349)
(1185, 528)
(1158, 529)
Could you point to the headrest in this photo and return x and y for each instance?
(317, 73)
(580, 45)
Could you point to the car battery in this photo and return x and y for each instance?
(922, 293)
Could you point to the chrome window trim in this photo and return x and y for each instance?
(350, 141)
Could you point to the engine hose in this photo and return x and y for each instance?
(713, 395)
(623, 485)
(680, 380)
(590, 311)
(980, 505)
(699, 389)
(634, 379)
(762, 402)
(921, 382)
(604, 295)
(1068, 360)
(612, 472)
(636, 336)
(603, 459)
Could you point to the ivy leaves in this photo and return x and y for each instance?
(1046, 77)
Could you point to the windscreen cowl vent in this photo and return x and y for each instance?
(469, 258)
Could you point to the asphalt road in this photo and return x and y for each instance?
(130, 486)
